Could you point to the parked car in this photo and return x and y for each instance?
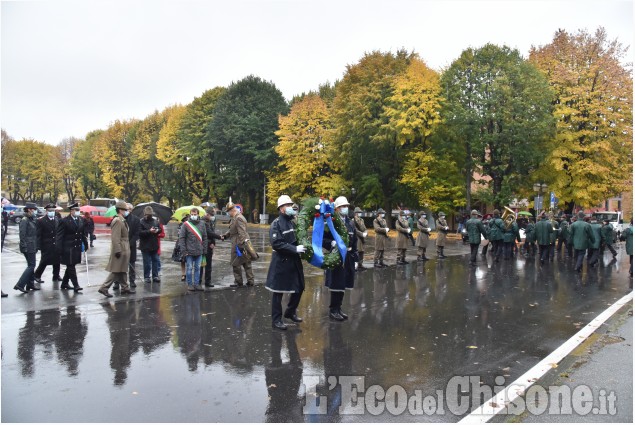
(98, 216)
(17, 214)
(222, 217)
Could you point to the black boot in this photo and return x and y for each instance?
(335, 315)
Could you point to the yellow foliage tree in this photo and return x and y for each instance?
(306, 152)
(590, 158)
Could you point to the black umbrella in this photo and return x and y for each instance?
(161, 211)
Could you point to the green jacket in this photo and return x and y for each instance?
(530, 233)
(544, 230)
(608, 234)
(496, 227)
(581, 235)
(627, 235)
(512, 233)
(597, 235)
(475, 229)
(564, 230)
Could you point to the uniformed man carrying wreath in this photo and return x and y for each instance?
(286, 275)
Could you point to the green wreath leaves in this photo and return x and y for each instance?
(305, 221)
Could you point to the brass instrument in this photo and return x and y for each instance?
(508, 217)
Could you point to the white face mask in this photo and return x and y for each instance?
(290, 211)
(77, 213)
(382, 215)
(50, 213)
(344, 211)
(194, 217)
(212, 218)
(125, 213)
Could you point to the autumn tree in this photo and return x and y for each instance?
(305, 149)
(590, 159)
(500, 106)
(169, 151)
(63, 166)
(385, 110)
(242, 136)
(114, 154)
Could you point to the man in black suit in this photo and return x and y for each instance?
(46, 244)
(71, 234)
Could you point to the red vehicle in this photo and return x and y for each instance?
(97, 213)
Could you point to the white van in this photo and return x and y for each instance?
(614, 217)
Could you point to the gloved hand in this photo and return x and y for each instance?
(429, 229)
(356, 265)
(409, 230)
(117, 254)
(333, 243)
(387, 230)
(364, 234)
(300, 248)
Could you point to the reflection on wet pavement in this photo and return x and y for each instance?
(212, 357)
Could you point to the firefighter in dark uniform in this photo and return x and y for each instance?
(46, 244)
(286, 275)
(341, 278)
(70, 237)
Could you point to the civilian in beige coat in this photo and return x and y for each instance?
(238, 235)
(361, 233)
(403, 230)
(381, 237)
(442, 229)
(423, 237)
(119, 252)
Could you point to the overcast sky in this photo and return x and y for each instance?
(69, 67)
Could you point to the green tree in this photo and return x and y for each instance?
(305, 149)
(500, 105)
(242, 136)
(587, 161)
(63, 165)
(194, 142)
(84, 166)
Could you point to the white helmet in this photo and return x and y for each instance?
(340, 202)
(283, 200)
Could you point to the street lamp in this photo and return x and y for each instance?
(538, 200)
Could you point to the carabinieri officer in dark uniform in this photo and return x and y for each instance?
(342, 277)
(71, 234)
(286, 275)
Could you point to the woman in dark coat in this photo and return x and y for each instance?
(341, 278)
(286, 275)
(71, 234)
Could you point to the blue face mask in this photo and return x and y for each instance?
(50, 213)
(344, 211)
(125, 213)
(289, 211)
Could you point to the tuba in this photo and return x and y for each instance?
(508, 217)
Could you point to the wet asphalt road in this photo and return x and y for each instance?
(165, 355)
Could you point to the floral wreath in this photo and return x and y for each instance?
(322, 212)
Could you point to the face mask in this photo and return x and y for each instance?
(50, 213)
(194, 217)
(289, 211)
(212, 218)
(125, 213)
(382, 215)
(344, 211)
(77, 213)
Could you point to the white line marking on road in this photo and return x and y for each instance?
(487, 411)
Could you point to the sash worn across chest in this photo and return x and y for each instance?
(194, 231)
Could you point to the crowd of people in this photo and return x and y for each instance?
(63, 240)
